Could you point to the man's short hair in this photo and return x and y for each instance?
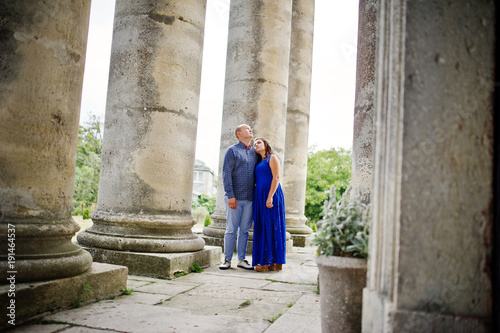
(238, 129)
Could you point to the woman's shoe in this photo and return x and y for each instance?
(276, 267)
(262, 268)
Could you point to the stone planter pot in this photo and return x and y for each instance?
(341, 283)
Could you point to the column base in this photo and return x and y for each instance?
(296, 224)
(214, 232)
(32, 299)
(213, 241)
(374, 308)
(140, 244)
(216, 241)
(44, 269)
(301, 233)
(379, 315)
(156, 233)
(40, 249)
(289, 244)
(415, 321)
(302, 240)
(157, 265)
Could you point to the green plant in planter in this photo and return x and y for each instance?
(344, 229)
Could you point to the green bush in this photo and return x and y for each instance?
(207, 201)
(344, 228)
(312, 225)
(208, 221)
(86, 214)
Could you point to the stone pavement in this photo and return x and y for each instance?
(235, 300)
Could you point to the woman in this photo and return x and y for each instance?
(269, 230)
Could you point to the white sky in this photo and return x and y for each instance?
(333, 77)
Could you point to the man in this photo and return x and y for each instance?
(239, 183)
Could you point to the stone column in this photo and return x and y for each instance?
(363, 134)
(42, 56)
(256, 84)
(297, 123)
(144, 202)
(430, 243)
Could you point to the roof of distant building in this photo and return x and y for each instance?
(201, 166)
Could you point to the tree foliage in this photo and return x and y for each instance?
(207, 201)
(202, 208)
(88, 162)
(324, 169)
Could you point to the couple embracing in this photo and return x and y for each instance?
(251, 177)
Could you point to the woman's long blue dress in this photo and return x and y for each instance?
(269, 228)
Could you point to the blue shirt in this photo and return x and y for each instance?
(238, 171)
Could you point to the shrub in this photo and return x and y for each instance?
(208, 221)
(86, 214)
(344, 228)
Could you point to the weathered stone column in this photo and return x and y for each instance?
(144, 202)
(363, 133)
(297, 123)
(256, 84)
(430, 244)
(42, 58)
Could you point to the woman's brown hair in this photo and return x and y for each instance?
(269, 149)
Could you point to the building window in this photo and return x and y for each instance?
(198, 177)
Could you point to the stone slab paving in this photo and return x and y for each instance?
(233, 300)
(84, 330)
(307, 305)
(41, 328)
(171, 288)
(295, 323)
(142, 298)
(279, 286)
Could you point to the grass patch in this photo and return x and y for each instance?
(276, 281)
(245, 304)
(127, 291)
(291, 304)
(84, 296)
(161, 302)
(196, 268)
(273, 319)
(179, 274)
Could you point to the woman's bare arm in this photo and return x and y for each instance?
(274, 164)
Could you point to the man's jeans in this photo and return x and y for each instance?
(241, 218)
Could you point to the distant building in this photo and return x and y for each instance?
(203, 180)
